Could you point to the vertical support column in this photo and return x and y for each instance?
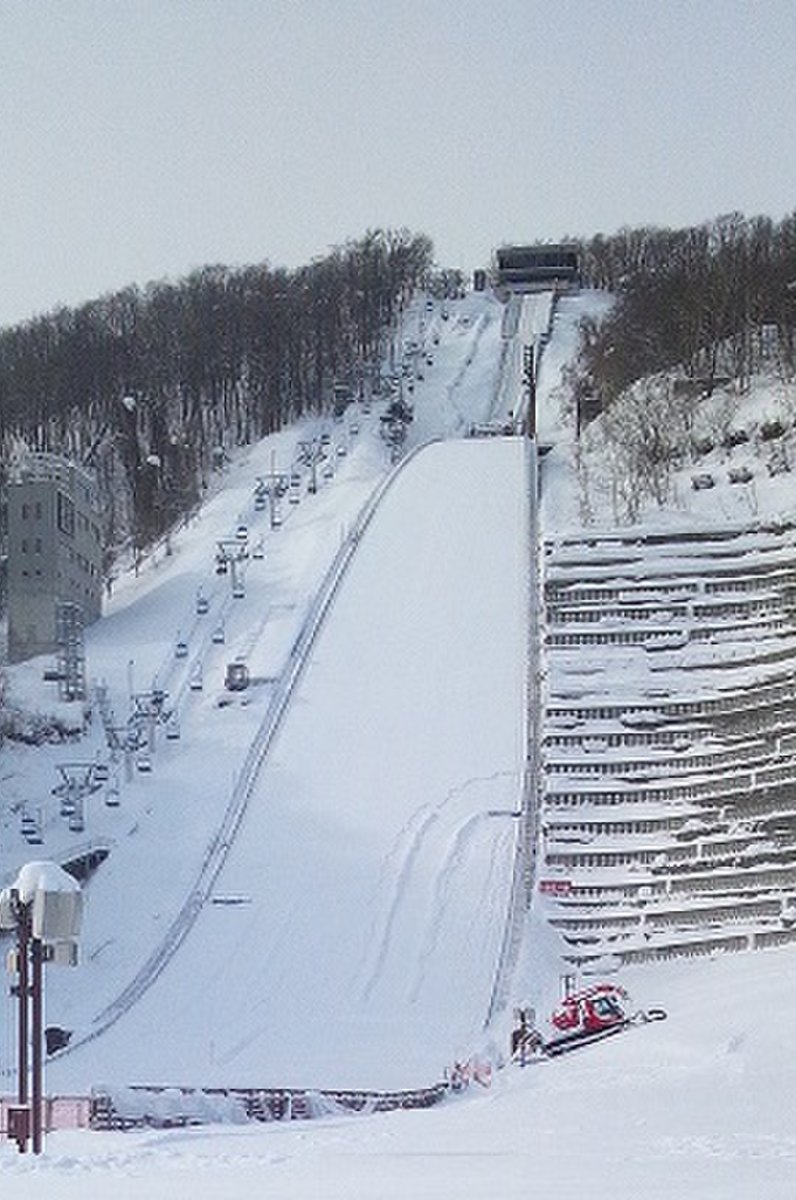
(529, 383)
(23, 994)
(37, 1040)
(532, 790)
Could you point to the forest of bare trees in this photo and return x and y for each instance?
(708, 302)
(152, 386)
(695, 313)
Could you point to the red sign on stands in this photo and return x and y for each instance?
(555, 887)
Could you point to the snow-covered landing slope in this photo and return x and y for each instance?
(352, 935)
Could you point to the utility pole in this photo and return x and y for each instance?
(44, 908)
(21, 914)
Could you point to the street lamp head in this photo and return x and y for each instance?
(55, 900)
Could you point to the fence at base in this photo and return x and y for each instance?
(166, 1107)
(58, 1112)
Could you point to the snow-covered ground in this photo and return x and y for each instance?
(698, 1106)
(349, 935)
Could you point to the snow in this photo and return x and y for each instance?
(699, 1105)
(45, 877)
(336, 913)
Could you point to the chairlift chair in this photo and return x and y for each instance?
(237, 677)
(31, 829)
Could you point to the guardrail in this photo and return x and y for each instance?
(524, 869)
(169, 1107)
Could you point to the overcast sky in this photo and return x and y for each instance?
(142, 138)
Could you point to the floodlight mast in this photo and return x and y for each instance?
(21, 914)
(44, 908)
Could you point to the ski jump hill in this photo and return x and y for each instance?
(350, 929)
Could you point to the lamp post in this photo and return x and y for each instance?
(44, 907)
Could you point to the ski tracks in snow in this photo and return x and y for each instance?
(454, 820)
(480, 327)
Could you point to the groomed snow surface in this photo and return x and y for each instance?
(698, 1106)
(351, 934)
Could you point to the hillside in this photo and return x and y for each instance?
(697, 1104)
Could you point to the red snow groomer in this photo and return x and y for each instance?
(581, 1017)
(585, 1016)
(591, 1014)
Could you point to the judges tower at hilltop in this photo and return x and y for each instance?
(540, 268)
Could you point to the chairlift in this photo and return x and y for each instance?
(144, 764)
(181, 649)
(195, 682)
(112, 796)
(202, 603)
(173, 730)
(29, 826)
(101, 772)
(238, 590)
(237, 677)
(260, 501)
(76, 822)
(218, 635)
(31, 829)
(258, 551)
(222, 566)
(242, 533)
(67, 805)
